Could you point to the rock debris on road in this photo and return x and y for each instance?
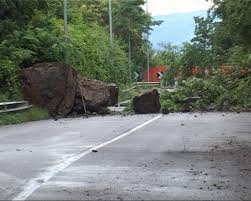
(177, 156)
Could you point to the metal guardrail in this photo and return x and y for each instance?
(6, 107)
(147, 83)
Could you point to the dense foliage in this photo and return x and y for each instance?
(8, 81)
(32, 31)
(222, 38)
(207, 92)
(212, 95)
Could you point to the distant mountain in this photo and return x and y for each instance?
(176, 28)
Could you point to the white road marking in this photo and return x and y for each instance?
(35, 183)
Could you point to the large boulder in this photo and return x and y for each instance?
(147, 102)
(91, 95)
(114, 94)
(50, 85)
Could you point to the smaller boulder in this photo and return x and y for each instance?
(147, 103)
(91, 96)
(114, 94)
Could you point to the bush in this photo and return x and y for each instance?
(239, 96)
(9, 85)
(169, 106)
(207, 91)
(92, 56)
(213, 94)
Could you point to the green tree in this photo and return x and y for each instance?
(132, 22)
(235, 16)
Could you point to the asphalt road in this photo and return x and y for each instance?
(142, 157)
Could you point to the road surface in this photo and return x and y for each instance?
(142, 157)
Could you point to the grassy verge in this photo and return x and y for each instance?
(32, 114)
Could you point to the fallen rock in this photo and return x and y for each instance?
(147, 102)
(50, 85)
(91, 95)
(57, 88)
(114, 94)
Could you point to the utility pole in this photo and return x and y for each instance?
(130, 56)
(148, 63)
(110, 22)
(66, 31)
(130, 50)
(148, 52)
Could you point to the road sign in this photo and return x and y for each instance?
(136, 75)
(160, 75)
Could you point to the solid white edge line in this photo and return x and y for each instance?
(35, 183)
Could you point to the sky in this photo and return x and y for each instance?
(167, 7)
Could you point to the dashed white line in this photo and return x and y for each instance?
(35, 183)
